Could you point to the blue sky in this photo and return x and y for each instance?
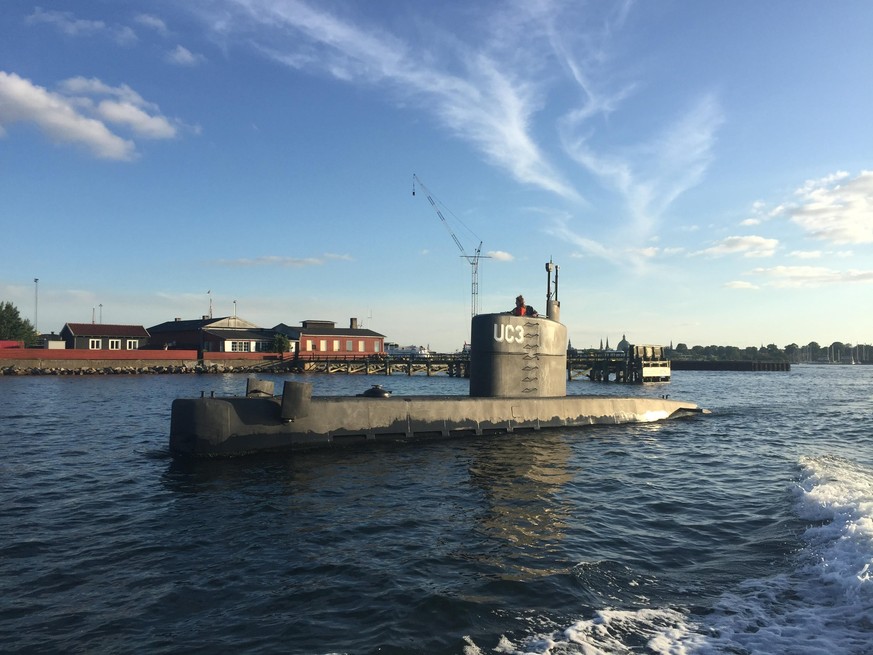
(701, 172)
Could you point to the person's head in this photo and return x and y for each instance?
(519, 301)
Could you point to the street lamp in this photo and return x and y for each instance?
(36, 305)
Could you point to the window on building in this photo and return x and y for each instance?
(95, 344)
(350, 345)
(115, 344)
(322, 345)
(361, 346)
(336, 345)
(310, 346)
(240, 346)
(132, 344)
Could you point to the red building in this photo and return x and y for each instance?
(322, 339)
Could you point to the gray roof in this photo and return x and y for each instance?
(105, 330)
(241, 335)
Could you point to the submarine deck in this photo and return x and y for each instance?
(239, 425)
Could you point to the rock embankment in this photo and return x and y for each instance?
(128, 370)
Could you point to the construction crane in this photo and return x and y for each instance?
(473, 259)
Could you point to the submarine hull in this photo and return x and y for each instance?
(203, 427)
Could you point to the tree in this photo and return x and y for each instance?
(773, 352)
(15, 328)
(281, 343)
(732, 353)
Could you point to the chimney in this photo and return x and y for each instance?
(353, 323)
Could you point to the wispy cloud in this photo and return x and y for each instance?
(747, 246)
(283, 262)
(81, 112)
(67, 23)
(741, 284)
(153, 22)
(495, 86)
(560, 228)
(474, 92)
(810, 276)
(649, 176)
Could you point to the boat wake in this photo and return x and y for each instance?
(822, 604)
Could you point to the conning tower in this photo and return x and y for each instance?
(520, 356)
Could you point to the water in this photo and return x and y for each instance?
(746, 531)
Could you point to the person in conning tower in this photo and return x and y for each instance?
(521, 309)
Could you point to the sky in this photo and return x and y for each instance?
(701, 172)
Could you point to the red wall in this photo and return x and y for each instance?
(81, 354)
(11, 344)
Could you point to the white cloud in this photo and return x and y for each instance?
(285, 262)
(152, 22)
(806, 254)
(84, 86)
(181, 56)
(478, 93)
(650, 175)
(58, 117)
(499, 255)
(836, 208)
(740, 284)
(748, 246)
(145, 125)
(560, 229)
(491, 89)
(67, 23)
(811, 276)
(648, 252)
(80, 113)
(761, 214)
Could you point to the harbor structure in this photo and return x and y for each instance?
(517, 383)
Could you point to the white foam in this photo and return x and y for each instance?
(822, 605)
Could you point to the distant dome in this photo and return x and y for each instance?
(623, 344)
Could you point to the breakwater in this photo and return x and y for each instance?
(27, 361)
(126, 370)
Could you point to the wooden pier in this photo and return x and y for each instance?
(453, 365)
(730, 365)
(640, 364)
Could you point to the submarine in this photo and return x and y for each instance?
(518, 383)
